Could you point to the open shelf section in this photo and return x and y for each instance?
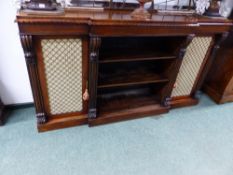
(126, 49)
(118, 104)
(123, 102)
(131, 78)
(115, 99)
(133, 55)
(125, 74)
(135, 77)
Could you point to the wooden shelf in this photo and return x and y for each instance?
(132, 77)
(115, 99)
(128, 114)
(132, 55)
(122, 102)
(125, 107)
(126, 49)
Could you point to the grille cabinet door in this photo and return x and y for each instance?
(191, 66)
(62, 71)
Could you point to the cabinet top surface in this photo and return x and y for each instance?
(117, 18)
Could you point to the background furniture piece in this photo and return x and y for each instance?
(219, 82)
(68, 60)
(1, 112)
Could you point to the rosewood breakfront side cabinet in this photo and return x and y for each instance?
(95, 67)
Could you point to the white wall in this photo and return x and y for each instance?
(14, 82)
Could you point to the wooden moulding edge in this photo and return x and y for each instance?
(183, 102)
(61, 123)
(128, 114)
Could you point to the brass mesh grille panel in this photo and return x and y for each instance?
(63, 72)
(191, 64)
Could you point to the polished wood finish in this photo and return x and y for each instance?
(94, 27)
(128, 114)
(59, 121)
(167, 100)
(219, 82)
(183, 101)
(1, 112)
(93, 74)
(63, 122)
(41, 72)
(30, 56)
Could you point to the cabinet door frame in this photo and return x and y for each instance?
(42, 78)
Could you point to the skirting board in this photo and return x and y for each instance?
(5, 110)
(19, 105)
(50, 125)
